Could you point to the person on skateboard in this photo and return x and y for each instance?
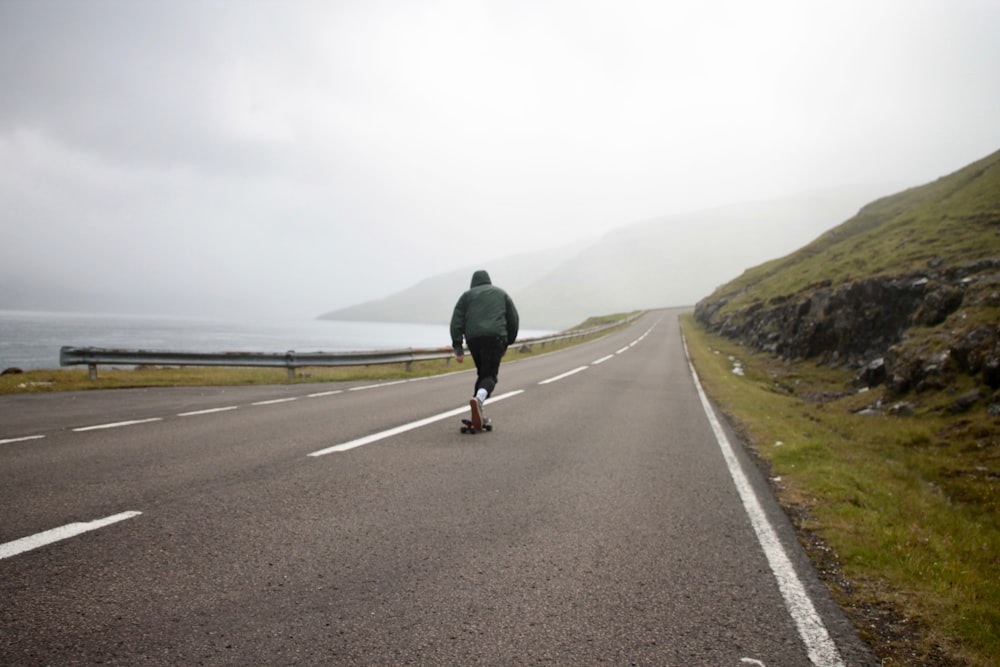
(486, 317)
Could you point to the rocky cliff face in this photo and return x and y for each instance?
(906, 331)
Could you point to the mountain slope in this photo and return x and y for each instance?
(911, 284)
(662, 262)
(431, 300)
(952, 219)
(869, 384)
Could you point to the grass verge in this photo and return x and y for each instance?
(899, 513)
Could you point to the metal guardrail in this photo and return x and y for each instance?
(95, 356)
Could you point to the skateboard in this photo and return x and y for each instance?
(470, 425)
(467, 427)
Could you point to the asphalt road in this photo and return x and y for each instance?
(601, 522)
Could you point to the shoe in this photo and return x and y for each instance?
(477, 415)
(482, 412)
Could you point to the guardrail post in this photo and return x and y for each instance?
(92, 371)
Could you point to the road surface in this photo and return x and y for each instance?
(606, 520)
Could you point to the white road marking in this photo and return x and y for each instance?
(208, 411)
(624, 349)
(325, 393)
(375, 437)
(276, 400)
(376, 386)
(117, 424)
(564, 375)
(56, 534)
(820, 647)
(22, 439)
(602, 360)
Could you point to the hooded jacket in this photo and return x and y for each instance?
(484, 310)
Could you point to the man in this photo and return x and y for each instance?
(485, 315)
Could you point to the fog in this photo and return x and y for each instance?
(288, 158)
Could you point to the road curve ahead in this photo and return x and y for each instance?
(607, 519)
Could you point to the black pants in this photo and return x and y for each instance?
(487, 353)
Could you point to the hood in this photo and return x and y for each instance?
(480, 278)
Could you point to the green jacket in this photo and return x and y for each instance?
(483, 310)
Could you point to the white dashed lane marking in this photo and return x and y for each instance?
(98, 427)
(274, 401)
(208, 411)
(21, 439)
(16, 547)
(382, 435)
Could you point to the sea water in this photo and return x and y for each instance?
(30, 340)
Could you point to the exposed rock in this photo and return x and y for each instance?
(870, 410)
(846, 325)
(938, 304)
(991, 371)
(975, 348)
(901, 409)
(965, 402)
(873, 374)
(863, 324)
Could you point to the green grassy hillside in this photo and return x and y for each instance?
(870, 390)
(952, 221)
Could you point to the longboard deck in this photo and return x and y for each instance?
(476, 422)
(467, 427)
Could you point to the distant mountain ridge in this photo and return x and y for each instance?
(669, 261)
(431, 300)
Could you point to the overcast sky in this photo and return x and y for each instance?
(295, 157)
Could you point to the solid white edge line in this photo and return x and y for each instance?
(820, 647)
(16, 547)
(117, 424)
(375, 437)
(564, 375)
(22, 439)
(208, 411)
